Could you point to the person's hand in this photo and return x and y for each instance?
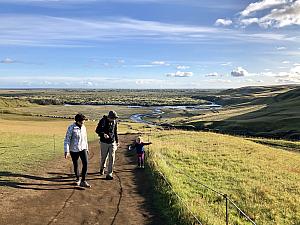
(88, 152)
(118, 144)
(67, 154)
(106, 136)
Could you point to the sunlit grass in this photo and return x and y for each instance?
(27, 142)
(263, 181)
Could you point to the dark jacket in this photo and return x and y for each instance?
(107, 127)
(139, 147)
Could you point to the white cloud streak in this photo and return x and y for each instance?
(261, 5)
(180, 74)
(215, 74)
(281, 13)
(181, 67)
(281, 48)
(49, 31)
(285, 77)
(160, 63)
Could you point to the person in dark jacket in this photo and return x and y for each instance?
(107, 130)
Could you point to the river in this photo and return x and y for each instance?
(158, 111)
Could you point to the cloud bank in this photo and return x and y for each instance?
(279, 13)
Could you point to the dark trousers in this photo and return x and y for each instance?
(84, 159)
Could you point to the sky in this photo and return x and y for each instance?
(149, 43)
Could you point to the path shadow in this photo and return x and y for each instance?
(143, 181)
(56, 181)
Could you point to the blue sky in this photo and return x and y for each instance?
(149, 43)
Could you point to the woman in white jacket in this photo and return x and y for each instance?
(76, 145)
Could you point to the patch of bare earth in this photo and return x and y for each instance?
(49, 196)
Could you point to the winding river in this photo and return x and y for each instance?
(158, 111)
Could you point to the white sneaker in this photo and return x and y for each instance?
(85, 184)
(77, 182)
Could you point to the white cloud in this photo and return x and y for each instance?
(281, 48)
(146, 81)
(215, 74)
(120, 61)
(180, 74)
(296, 70)
(249, 21)
(223, 22)
(282, 13)
(239, 72)
(37, 30)
(286, 77)
(261, 5)
(286, 62)
(160, 63)
(144, 66)
(226, 64)
(8, 61)
(182, 67)
(296, 64)
(268, 74)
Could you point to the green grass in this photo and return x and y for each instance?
(28, 142)
(262, 181)
(277, 143)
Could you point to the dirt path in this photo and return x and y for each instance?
(50, 197)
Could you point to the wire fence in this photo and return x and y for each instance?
(227, 200)
(49, 144)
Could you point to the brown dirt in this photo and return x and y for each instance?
(49, 197)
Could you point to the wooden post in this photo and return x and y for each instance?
(227, 219)
(54, 142)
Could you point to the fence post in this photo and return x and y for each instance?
(54, 142)
(226, 200)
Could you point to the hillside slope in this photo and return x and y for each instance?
(277, 115)
(263, 181)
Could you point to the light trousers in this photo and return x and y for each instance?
(108, 150)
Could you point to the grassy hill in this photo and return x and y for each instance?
(272, 112)
(279, 117)
(263, 181)
(13, 103)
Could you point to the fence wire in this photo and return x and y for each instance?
(179, 198)
(225, 196)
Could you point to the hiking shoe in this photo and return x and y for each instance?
(143, 167)
(78, 181)
(85, 184)
(101, 171)
(108, 177)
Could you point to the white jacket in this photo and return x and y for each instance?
(76, 139)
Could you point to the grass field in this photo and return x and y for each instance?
(27, 142)
(263, 181)
(258, 174)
